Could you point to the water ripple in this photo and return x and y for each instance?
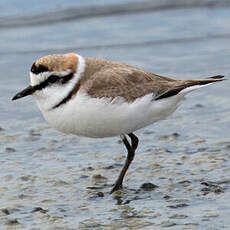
(85, 12)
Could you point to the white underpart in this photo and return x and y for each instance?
(93, 117)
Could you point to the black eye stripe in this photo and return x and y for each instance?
(62, 80)
(54, 79)
(65, 79)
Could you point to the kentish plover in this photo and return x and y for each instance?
(98, 98)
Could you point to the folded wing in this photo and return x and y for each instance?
(131, 83)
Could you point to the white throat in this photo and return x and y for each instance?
(50, 96)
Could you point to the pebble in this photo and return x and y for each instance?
(39, 209)
(167, 224)
(84, 176)
(12, 222)
(25, 178)
(5, 211)
(95, 187)
(148, 186)
(210, 215)
(34, 133)
(109, 167)
(166, 197)
(100, 194)
(60, 182)
(185, 183)
(177, 216)
(89, 168)
(97, 195)
(199, 106)
(211, 187)
(169, 137)
(10, 150)
(178, 205)
(98, 178)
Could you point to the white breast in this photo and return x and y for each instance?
(92, 117)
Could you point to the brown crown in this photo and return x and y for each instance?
(58, 62)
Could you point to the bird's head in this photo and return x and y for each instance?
(50, 72)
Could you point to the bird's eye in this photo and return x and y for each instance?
(53, 79)
(38, 69)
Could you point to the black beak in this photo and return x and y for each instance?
(27, 91)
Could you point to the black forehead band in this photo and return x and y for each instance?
(36, 69)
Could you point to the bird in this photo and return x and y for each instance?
(99, 98)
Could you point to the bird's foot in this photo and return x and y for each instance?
(116, 187)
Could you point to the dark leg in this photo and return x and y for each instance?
(134, 141)
(131, 153)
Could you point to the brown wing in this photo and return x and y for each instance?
(127, 82)
(188, 83)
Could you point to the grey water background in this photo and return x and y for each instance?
(49, 180)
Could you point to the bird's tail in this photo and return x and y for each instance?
(190, 85)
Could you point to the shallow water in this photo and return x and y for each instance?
(49, 180)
